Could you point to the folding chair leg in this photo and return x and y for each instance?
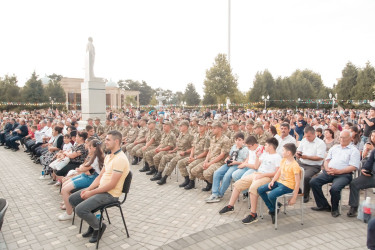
(123, 220)
(284, 205)
(302, 210)
(80, 227)
(276, 212)
(100, 228)
(74, 216)
(107, 216)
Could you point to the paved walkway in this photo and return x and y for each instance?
(164, 217)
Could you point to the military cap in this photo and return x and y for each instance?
(167, 122)
(209, 120)
(250, 121)
(97, 119)
(234, 122)
(144, 119)
(184, 122)
(258, 125)
(202, 123)
(217, 124)
(151, 121)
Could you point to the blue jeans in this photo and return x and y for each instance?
(224, 174)
(83, 180)
(364, 139)
(277, 190)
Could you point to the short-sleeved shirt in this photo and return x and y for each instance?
(184, 141)
(132, 134)
(168, 139)
(79, 148)
(252, 154)
(315, 148)
(219, 145)
(153, 134)
(201, 144)
(117, 162)
(288, 172)
(240, 154)
(341, 158)
(368, 128)
(282, 142)
(269, 162)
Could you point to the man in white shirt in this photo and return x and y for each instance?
(284, 138)
(311, 153)
(341, 161)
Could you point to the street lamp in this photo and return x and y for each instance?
(265, 99)
(333, 98)
(298, 100)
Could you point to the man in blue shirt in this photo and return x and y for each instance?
(340, 162)
(7, 131)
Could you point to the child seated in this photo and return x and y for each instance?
(267, 165)
(286, 180)
(61, 158)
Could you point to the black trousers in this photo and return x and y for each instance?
(338, 183)
(310, 171)
(362, 182)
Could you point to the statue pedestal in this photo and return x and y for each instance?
(93, 101)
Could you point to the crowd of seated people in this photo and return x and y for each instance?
(263, 154)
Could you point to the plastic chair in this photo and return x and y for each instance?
(2, 213)
(125, 190)
(300, 194)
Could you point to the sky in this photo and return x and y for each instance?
(170, 43)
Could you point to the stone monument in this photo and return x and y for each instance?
(160, 98)
(92, 89)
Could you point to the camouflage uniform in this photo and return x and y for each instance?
(131, 148)
(153, 158)
(151, 134)
(99, 129)
(200, 145)
(217, 146)
(130, 137)
(183, 144)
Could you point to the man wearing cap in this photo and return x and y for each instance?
(166, 143)
(181, 151)
(118, 126)
(139, 142)
(107, 128)
(126, 127)
(90, 122)
(201, 144)
(226, 130)
(99, 129)
(219, 148)
(131, 135)
(235, 128)
(193, 129)
(175, 129)
(249, 127)
(260, 134)
(209, 127)
(152, 141)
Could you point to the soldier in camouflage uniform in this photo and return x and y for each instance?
(139, 142)
(249, 128)
(152, 141)
(175, 128)
(260, 134)
(126, 127)
(226, 130)
(107, 128)
(235, 128)
(181, 151)
(201, 144)
(193, 129)
(118, 125)
(99, 129)
(219, 148)
(131, 135)
(166, 143)
(242, 126)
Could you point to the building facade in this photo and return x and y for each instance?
(116, 98)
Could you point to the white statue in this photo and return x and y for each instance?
(160, 98)
(90, 59)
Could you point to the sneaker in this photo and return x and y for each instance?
(65, 216)
(212, 199)
(57, 184)
(250, 219)
(52, 182)
(226, 210)
(43, 177)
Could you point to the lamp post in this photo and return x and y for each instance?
(333, 98)
(298, 100)
(265, 99)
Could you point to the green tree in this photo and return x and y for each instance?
(33, 90)
(220, 82)
(263, 85)
(9, 90)
(347, 83)
(365, 83)
(146, 92)
(54, 88)
(191, 96)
